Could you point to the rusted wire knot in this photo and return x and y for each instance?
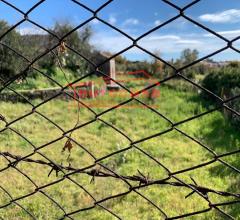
(54, 168)
(93, 173)
(11, 163)
(143, 180)
(202, 190)
(14, 163)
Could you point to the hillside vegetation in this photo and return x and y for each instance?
(173, 149)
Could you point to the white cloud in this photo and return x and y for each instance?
(170, 45)
(30, 30)
(109, 41)
(163, 37)
(229, 34)
(95, 21)
(167, 44)
(131, 21)
(112, 19)
(231, 15)
(157, 22)
(188, 42)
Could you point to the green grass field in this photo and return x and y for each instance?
(172, 149)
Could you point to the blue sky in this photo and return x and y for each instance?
(136, 17)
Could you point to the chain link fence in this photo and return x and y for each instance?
(99, 170)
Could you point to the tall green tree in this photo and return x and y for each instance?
(78, 40)
(188, 56)
(9, 61)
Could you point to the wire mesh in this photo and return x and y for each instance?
(98, 169)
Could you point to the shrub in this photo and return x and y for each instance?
(222, 80)
(235, 104)
(225, 82)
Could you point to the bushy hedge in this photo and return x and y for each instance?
(222, 80)
(225, 82)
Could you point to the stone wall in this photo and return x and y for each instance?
(45, 94)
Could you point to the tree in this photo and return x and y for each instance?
(188, 56)
(121, 63)
(157, 65)
(77, 40)
(9, 61)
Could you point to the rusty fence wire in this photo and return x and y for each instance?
(105, 172)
